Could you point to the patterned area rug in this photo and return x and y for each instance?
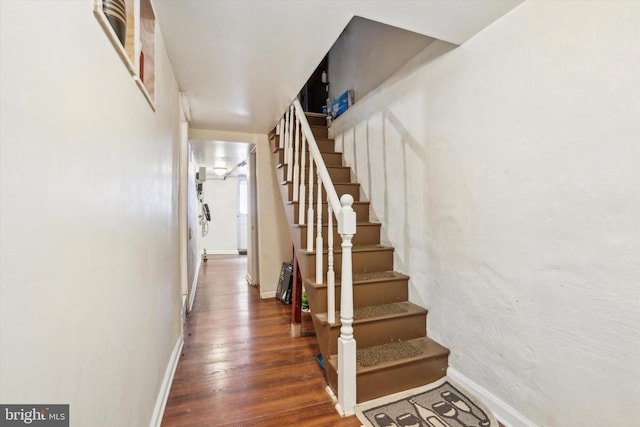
(439, 404)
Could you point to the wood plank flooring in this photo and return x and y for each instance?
(240, 366)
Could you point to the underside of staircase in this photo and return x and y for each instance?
(383, 317)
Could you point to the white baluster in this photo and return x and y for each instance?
(281, 133)
(346, 342)
(292, 118)
(331, 275)
(303, 189)
(285, 137)
(296, 165)
(319, 272)
(310, 217)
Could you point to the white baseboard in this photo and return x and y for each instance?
(194, 285)
(506, 414)
(222, 252)
(163, 395)
(269, 294)
(250, 280)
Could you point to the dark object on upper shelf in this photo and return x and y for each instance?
(116, 13)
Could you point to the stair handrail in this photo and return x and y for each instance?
(332, 195)
(345, 216)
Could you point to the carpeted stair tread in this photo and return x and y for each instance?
(428, 349)
(377, 276)
(378, 354)
(358, 278)
(377, 313)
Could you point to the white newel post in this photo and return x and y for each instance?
(303, 189)
(346, 343)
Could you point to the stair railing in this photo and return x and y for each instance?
(295, 136)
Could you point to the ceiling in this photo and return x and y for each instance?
(220, 154)
(241, 62)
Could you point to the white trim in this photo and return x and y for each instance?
(267, 294)
(194, 285)
(163, 395)
(506, 414)
(223, 252)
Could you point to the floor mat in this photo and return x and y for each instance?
(439, 404)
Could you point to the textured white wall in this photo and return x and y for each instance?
(222, 197)
(89, 274)
(506, 174)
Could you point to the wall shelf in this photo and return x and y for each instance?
(138, 51)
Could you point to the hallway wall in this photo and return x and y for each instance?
(505, 174)
(89, 274)
(194, 231)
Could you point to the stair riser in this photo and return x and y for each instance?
(368, 334)
(330, 159)
(317, 121)
(364, 294)
(376, 384)
(366, 235)
(353, 189)
(320, 131)
(325, 145)
(337, 174)
(361, 210)
(362, 262)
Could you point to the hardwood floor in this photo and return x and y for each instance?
(240, 366)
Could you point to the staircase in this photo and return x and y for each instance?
(383, 317)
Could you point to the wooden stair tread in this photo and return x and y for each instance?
(276, 149)
(355, 248)
(325, 224)
(409, 309)
(324, 202)
(430, 349)
(355, 184)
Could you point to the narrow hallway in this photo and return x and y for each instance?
(240, 366)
